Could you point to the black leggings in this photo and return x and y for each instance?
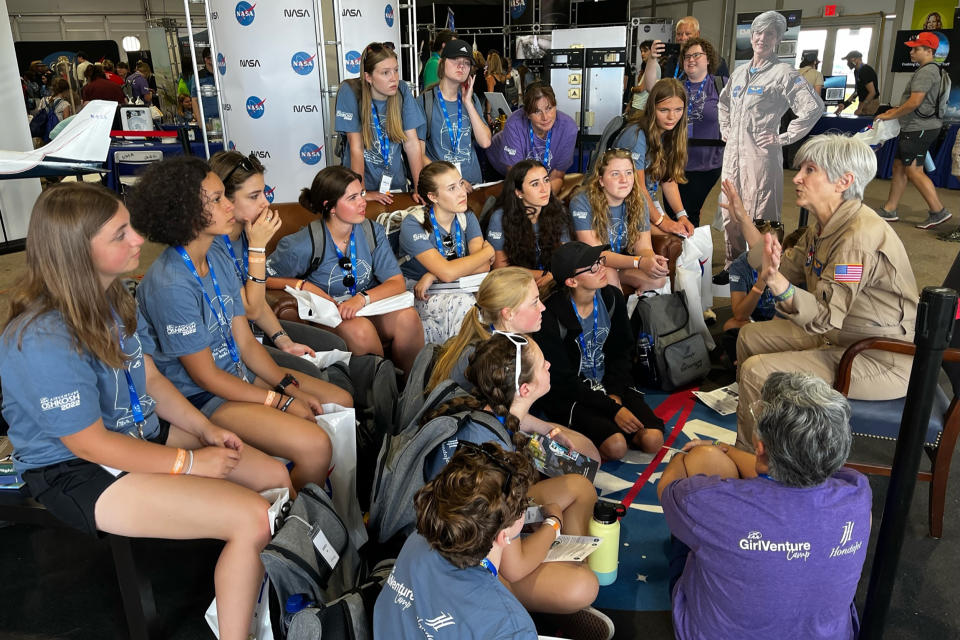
(599, 428)
(694, 193)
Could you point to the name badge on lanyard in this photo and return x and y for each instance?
(385, 182)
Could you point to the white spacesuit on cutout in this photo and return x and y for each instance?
(750, 108)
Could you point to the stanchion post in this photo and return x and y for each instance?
(935, 318)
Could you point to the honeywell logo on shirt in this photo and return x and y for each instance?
(510, 151)
(420, 236)
(346, 115)
(63, 402)
(495, 235)
(579, 214)
(403, 595)
(794, 550)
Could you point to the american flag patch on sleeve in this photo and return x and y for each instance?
(847, 272)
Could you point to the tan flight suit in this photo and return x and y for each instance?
(828, 316)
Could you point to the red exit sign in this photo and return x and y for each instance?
(829, 11)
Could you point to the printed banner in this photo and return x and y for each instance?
(268, 70)
(361, 22)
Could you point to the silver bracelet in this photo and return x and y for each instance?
(257, 250)
(189, 464)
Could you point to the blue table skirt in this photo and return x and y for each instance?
(176, 149)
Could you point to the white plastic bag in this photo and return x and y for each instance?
(324, 359)
(260, 627)
(340, 424)
(322, 311)
(693, 277)
(880, 132)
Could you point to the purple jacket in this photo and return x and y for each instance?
(512, 144)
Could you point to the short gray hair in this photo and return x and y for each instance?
(770, 20)
(838, 154)
(804, 425)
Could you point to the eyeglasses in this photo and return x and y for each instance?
(693, 56)
(347, 266)
(594, 268)
(763, 225)
(248, 164)
(486, 450)
(518, 341)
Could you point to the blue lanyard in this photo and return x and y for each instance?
(242, 268)
(457, 234)
(583, 345)
(486, 564)
(615, 239)
(222, 321)
(353, 258)
(545, 161)
(135, 406)
(454, 134)
(696, 97)
(382, 137)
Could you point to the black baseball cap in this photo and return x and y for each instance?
(570, 257)
(457, 49)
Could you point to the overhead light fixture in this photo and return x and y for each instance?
(131, 43)
(890, 16)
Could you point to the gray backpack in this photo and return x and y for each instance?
(678, 357)
(400, 469)
(310, 553)
(412, 397)
(349, 616)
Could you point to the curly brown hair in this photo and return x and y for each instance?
(713, 60)
(519, 240)
(167, 204)
(461, 511)
(636, 210)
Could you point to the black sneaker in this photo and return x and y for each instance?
(722, 278)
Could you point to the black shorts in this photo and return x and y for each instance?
(599, 428)
(70, 490)
(913, 145)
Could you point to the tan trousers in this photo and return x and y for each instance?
(780, 345)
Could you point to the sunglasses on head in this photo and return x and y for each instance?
(246, 163)
(594, 268)
(376, 47)
(486, 450)
(518, 341)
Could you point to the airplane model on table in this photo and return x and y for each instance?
(81, 147)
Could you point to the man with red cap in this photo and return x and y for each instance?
(920, 122)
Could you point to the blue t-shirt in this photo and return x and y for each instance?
(471, 431)
(348, 121)
(51, 391)
(426, 596)
(592, 365)
(293, 254)
(742, 278)
(496, 240)
(414, 240)
(181, 322)
(439, 145)
(635, 139)
(240, 265)
(208, 94)
(617, 232)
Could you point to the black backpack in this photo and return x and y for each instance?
(44, 120)
(669, 356)
(318, 243)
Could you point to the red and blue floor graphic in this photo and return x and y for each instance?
(642, 578)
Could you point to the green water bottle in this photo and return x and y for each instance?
(605, 525)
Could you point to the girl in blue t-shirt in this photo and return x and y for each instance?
(657, 138)
(78, 382)
(349, 272)
(510, 374)
(528, 222)
(443, 242)
(193, 305)
(255, 223)
(611, 210)
(379, 115)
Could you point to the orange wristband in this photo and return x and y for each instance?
(271, 397)
(178, 463)
(553, 432)
(256, 258)
(759, 291)
(299, 285)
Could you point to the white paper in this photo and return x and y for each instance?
(723, 400)
(388, 305)
(324, 359)
(572, 548)
(466, 284)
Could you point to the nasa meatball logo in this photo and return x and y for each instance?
(352, 61)
(221, 64)
(268, 192)
(388, 15)
(245, 13)
(231, 145)
(302, 62)
(311, 154)
(255, 107)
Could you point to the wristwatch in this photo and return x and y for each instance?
(366, 297)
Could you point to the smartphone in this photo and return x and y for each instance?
(671, 49)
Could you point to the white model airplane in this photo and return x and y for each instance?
(81, 147)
